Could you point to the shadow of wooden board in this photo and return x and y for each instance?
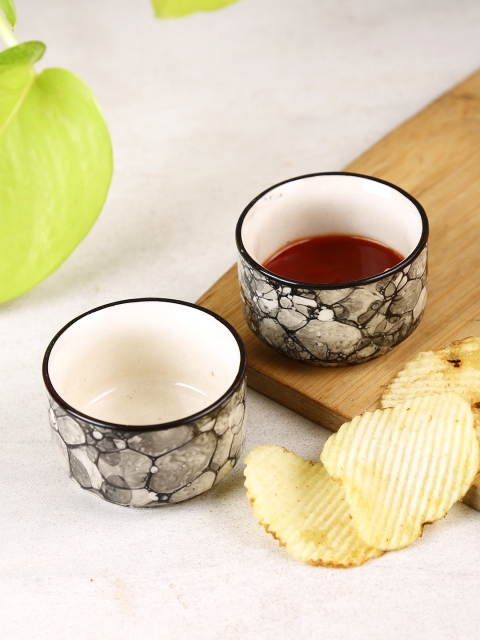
(436, 157)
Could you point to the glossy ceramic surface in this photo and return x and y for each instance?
(112, 371)
(333, 324)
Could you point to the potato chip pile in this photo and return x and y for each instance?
(456, 368)
(383, 475)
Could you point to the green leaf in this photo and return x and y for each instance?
(8, 9)
(55, 170)
(177, 8)
(23, 54)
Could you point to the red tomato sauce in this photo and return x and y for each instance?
(331, 259)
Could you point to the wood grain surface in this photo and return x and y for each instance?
(436, 157)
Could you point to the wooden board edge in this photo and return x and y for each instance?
(302, 405)
(461, 89)
(472, 497)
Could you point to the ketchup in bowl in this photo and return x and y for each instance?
(332, 258)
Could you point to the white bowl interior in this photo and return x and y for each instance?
(328, 205)
(144, 362)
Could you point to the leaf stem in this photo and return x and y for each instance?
(6, 33)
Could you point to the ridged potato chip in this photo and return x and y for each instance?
(405, 466)
(455, 368)
(303, 508)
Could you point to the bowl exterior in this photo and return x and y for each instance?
(150, 468)
(334, 327)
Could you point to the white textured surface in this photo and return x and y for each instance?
(331, 204)
(205, 112)
(144, 362)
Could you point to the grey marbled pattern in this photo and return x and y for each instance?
(334, 327)
(151, 468)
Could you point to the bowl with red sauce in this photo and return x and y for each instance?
(333, 267)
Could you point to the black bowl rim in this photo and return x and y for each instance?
(163, 426)
(298, 284)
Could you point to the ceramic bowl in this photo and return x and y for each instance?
(333, 324)
(147, 400)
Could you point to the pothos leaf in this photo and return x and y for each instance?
(55, 169)
(23, 54)
(177, 8)
(8, 9)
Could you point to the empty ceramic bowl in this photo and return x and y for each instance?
(339, 323)
(147, 400)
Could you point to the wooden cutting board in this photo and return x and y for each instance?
(436, 157)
